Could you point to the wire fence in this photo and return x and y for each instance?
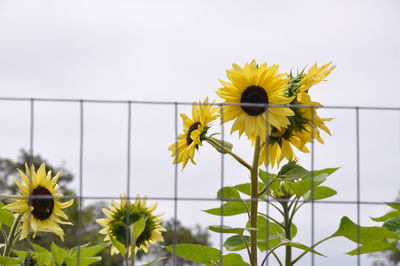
(80, 197)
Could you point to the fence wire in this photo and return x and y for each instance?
(33, 102)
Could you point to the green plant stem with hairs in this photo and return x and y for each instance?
(254, 201)
(12, 236)
(288, 233)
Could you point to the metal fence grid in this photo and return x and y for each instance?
(80, 104)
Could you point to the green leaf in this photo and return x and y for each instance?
(387, 216)
(20, 253)
(219, 145)
(368, 235)
(40, 249)
(229, 209)
(136, 230)
(154, 261)
(325, 172)
(236, 242)
(229, 230)
(244, 188)
(302, 186)
(292, 171)
(196, 253)
(84, 261)
(275, 232)
(321, 192)
(233, 259)
(263, 176)
(394, 205)
(9, 261)
(383, 245)
(393, 225)
(58, 253)
(228, 193)
(6, 216)
(91, 251)
(118, 245)
(302, 247)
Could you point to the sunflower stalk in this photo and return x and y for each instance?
(222, 148)
(254, 201)
(11, 236)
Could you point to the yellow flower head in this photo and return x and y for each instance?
(39, 214)
(279, 146)
(194, 130)
(120, 213)
(255, 84)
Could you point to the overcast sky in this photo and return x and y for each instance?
(177, 51)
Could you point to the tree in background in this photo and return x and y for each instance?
(89, 229)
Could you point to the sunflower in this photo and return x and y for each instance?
(194, 130)
(303, 83)
(279, 146)
(39, 214)
(120, 215)
(257, 85)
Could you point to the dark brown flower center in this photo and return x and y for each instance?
(254, 94)
(42, 208)
(191, 129)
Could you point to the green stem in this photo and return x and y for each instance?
(288, 234)
(277, 258)
(254, 201)
(272, 219)
(132, 257)
(11, 236)
(313, 246)
(236, 157)
(266, 187)
(247, 248)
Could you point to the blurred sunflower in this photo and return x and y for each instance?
(300, 86)
(194, 130)
(255, 84)
(118, 216)
(39, 214)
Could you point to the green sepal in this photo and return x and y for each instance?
(221, 146)
(136, 230)
(118, 245)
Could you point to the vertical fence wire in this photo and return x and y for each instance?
(175, 184)
(81, 130)
(30, 163)
(128, 183)
(358, 183)
(312, 184)
(221, 238)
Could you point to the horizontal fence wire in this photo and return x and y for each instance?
(358, 202)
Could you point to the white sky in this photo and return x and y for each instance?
(177, 51)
